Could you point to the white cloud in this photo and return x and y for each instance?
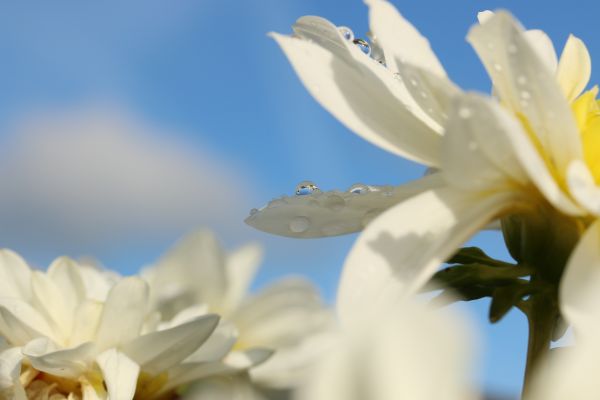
(86, 181)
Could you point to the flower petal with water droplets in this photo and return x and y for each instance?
(528, 88)
(574, 68)
(399, 38)
(363, 95)
(399, 251)
(333, 213)
(583, 187)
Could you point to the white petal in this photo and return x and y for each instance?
(123, 314)
(120, 374)
(10, 367)
(248, 358)
(282, 315)
(363, 95)
(14, 275)
(189, 372)
(194, 267)
(542, 45)
(528, 88)
(241, 267)
(402, 249)
(574, 68)
(333, 213)
(583, 187)
(20, 323)
(224, 388)
(220, 342)
(158, 351)
(50, 301)
(65, 273)
(46, 356)
(87, 320)
(580, 284)
(476, 158)
(409, 353)
(483, 16)
(399, 39)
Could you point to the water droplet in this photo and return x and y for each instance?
(525, 95)
(359, 188)
(370, 216)
(398, 76)
(346, 32)
(512, 48)
(363, 45)
(334, 202)
(306, 187)
(414, 82)
(521, 79)
(299, 224)
(465, 112)
(497, 67)
(424, 95)
(253, 211)
(276, 203)
(473, 146)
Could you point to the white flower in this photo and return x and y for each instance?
(408, 352)
(287, 317)
(536, 147)
(75, 333)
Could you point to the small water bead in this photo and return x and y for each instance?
(363, 45)
(465, 112)
(497, 67)
(473, 146)
(299, 224)
(359, 188)
(521, 79)
(346, 32)
(414, 82)
(525, 95)
(306, 187)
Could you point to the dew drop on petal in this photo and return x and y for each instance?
(299, 224)
(346, 32)
(423, 95)
(253, 211)
(414, 82)
(359, 188)
(363, 45)
(521, 79)
(306, 187)
(334, 202)
(525, 95)
(497, 67)
(473, 146)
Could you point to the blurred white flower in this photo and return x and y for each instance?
(535, 147)
(410, 352)
(74, 332)
(287, 317)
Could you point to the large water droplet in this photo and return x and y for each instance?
(497, 67)
(346, 32)
(465, 112)
(359, 188)
(334, 202)
(306, 187)
(363, 45)
(299, 224)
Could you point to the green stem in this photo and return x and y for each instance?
(541, 318)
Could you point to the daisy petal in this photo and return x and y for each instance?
(120, 374)
(20, 323)
(399, 39)
(333, 213)
(10, 367)
(158, 351)
(528, 88)
(123, 313)
(241, 267)
(579, 301)
(363, 95)
(574, 68)
(583, 188)
(220, 342)
(65, 273)
(14, 275)
(399, 251)
(46, 356)
(544, 48)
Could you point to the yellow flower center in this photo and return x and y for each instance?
(587, 114)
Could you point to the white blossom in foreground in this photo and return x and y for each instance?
(77, 333)
(410, 352)
(531, 148)
(287, 317)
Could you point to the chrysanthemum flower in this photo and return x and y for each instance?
(529, 152)
(74, 332)
(287, 317)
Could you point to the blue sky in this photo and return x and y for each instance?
(204, 75)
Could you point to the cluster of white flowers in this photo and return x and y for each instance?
(77, 332)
